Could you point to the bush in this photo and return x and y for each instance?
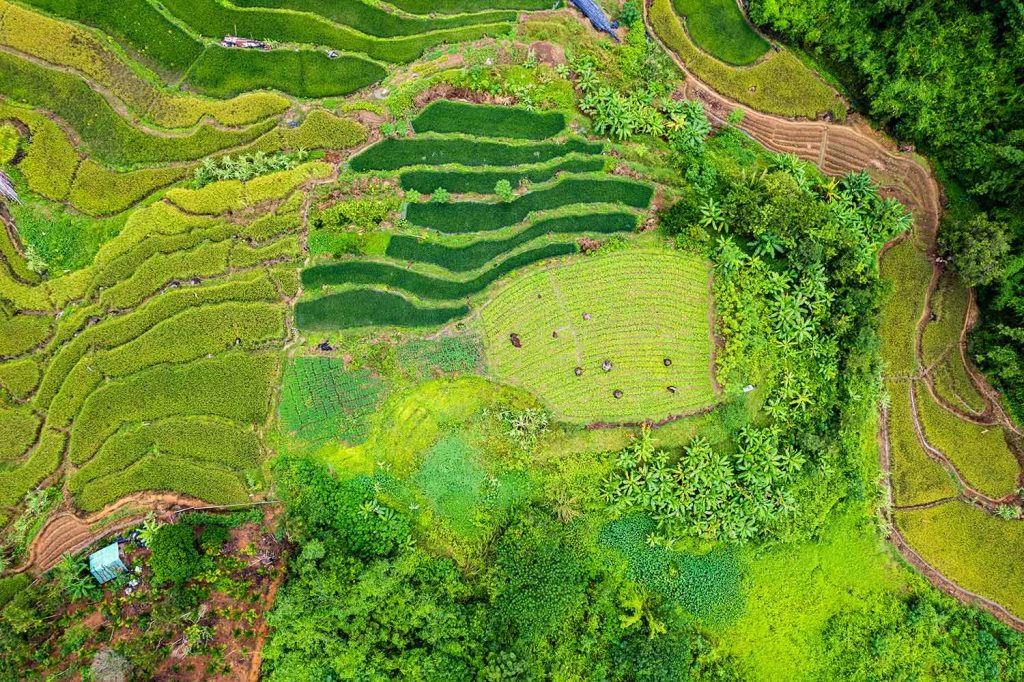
(395, 153)
(977, 247)
(445, 116)
(503, 188)
(472, 216)
(175, 557)
(369, 308)
(478, 254)
(484, 182)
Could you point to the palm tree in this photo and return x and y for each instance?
(712, 216)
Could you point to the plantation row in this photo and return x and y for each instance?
(370, 308)
(474, 216)
(397, 153)
(571, 319)
(483, 182)
(165, 357)
(446, 116)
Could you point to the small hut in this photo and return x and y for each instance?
(597, 17)
(105, 564)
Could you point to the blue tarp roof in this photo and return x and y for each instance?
(105, 564)
(596, 15)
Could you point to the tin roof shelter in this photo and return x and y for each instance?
(596, 15)
(105, 564)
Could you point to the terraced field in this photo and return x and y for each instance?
(458, 248)
(553, 331)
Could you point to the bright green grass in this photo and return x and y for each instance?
(322, 401)
(719, 28)
(916, 478)
(443, 355)
(546, 308)
(791, 591)
(978, 551)
(979, 452)
(223, 72)
(445, 116)
(907, 272)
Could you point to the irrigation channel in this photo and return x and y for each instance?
(837, 149)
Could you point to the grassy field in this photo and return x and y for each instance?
(780, 84)
(546, 311)
(976, 550)
(719, 28)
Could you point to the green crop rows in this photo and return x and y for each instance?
(473, 216)
(369, 308)
(393, 154)
(443, 355)
(445, 116)
(483, 182)
(479, 253)
(548, 312)
(321, 401)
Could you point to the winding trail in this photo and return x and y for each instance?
(837, 149)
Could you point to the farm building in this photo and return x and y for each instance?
(105, 564)
(235, 41)
(597, 16)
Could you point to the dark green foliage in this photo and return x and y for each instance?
(175, 557)
(11, 586)
(376, 21)
(473, 216)
(321, 401)
(424, 286)
(225, 72)
(459, 6)
(395, 153)
(478, 254)
(706, 585)
(977, 247)
(922, 636)
(630, 13)
(445, 116)
(483, 182)
(369, 308)
(137, 23)
(108, 135)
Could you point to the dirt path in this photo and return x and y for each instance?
(839, 148)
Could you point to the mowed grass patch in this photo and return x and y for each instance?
(907, 273)
(483, 182)
(644, 306)
(378, 21)
(396, 153)
(977, 551)
(224, 72)
(479, 253)
(322, 401)
(370, 308)
(780, 84)
(916, 479)
(476, 216)
(719, 28)
(979, 452)
(484, 120)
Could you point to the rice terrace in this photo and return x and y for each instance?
(600, 340)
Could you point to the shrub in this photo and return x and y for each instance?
(369, 308)
(445, 116)
(439, 196)
(366, 212)
(472, 216)
(503, 188)
(977, 248)
(425, 286)
(244, 166)
(478, 254)
(484, 182)
(395, 153)
(175, 557)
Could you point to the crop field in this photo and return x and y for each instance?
(322, 401)
(370, 308)
(916, 478)
(483, 181)
(908, 274)
(583, 314)
(393, 154)
(978, 551)
(940, 346)
(446, 116)
(719, 28)
(779, 84)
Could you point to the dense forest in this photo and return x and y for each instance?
(947, 76)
